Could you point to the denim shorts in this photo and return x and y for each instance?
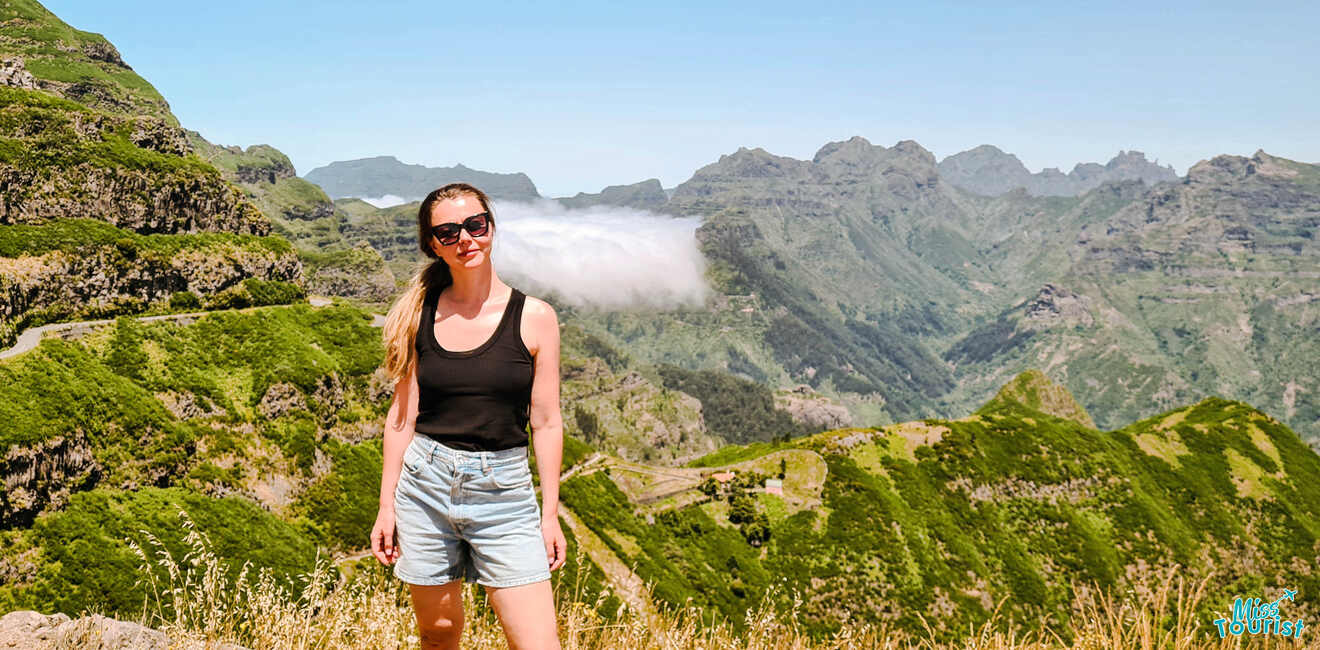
(467, 515)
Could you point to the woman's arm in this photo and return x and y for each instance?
(399, 423)
(547, 423)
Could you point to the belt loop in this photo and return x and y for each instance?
(430, 454)
(485, 462)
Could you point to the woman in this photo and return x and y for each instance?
(474, 362)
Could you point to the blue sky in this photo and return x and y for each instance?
(583, 95)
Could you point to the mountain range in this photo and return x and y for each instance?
(910, 296)
(386, 176)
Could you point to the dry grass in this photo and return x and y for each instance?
(198, 604)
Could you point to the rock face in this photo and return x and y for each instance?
(140, 201)
(31, 630)
(385, 175)
(279, 399)
(68, 282)
(15, 75)
(65, 160)
(631, 417)
(809, 407)
(1055, 306)
(42, 476)
(988, 171)
(646, 195)
(51, 48)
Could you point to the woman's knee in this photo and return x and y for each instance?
(440, 631)
(439, 614)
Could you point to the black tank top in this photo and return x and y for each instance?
(477, 400)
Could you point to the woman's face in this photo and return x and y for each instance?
(468, 251)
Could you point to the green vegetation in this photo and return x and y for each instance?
(685, 553)
(856, 355)
(80, 559)
(1034, 390)
(737, 453)
(40, 132)
(1012, 503)
(340, 507)
(85, 236)
(737, 410)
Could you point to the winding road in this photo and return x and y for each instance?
(31, 337)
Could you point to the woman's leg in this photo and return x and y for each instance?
(527, 614)
(439, 614)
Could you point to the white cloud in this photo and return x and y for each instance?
(604, 257)
(388, 201)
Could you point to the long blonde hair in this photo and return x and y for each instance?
(400, 332)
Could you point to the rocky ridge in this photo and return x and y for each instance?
(989, 171)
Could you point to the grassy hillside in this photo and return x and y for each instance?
(82, 66)
(948, 517)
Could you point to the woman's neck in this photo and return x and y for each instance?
(472, 287)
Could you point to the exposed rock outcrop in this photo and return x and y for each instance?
(186, 406)
(72, 283)
(809, 407)
(1056, 305)
(15, 75)
(280, 399)
(43, 475)
(142, 201)
(31, 630)
(632, 417)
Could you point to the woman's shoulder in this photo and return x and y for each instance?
(537, 309)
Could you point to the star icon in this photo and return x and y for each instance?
(1289, 593)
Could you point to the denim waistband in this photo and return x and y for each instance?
(435, 450)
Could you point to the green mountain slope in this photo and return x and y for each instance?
(276, 409)
(105, 209)
(947, 517)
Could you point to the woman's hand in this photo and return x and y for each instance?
(383, 544)
(556, 547)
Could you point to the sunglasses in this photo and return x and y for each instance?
(448, 233)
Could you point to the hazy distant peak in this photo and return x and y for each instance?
(910, 148)
(644, 195)
(989, 171)
(852, 150)
(746, 162)
(381, 176)
(1225, 168)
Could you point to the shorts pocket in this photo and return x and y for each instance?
(512, 476)
(413, 460)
